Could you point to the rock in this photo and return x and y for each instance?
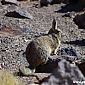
(46, 2)
(80, 21)
(33, 84)
(70, 1)
(65, 74)
(48, 67)
(9, 31)
(37, 77)
(73, 1)
(26, 29)
(69, 14)
(81, 64)
(23, 0)
(40, 76)
(25, 71)
(19, 13)
(27, 0)
(9, 2)
(68, 53)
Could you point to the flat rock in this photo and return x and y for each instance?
(8, 30)
(19, 13)
(65, 74)
(9, 1)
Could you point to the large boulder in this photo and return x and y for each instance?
(65, 74)
(80, 21)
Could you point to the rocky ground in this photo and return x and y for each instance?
(17, 31)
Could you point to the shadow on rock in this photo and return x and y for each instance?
(81, 64)
(80, 21)
(4, 3)
(71, 7)
(15, 15)
(76, 42)
(82, 67)
(64, 74)
(48, 67)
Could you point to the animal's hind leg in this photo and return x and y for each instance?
(55, 52)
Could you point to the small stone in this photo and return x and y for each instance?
(18, 49)
(0, 66)
(26, 29)
(25, 71)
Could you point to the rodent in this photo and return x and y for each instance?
(39, 50)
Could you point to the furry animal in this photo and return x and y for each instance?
(39, 50)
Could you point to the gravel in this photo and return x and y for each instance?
(14, 42)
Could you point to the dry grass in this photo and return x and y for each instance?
(7, 78)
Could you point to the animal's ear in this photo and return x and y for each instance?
(54, 24)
